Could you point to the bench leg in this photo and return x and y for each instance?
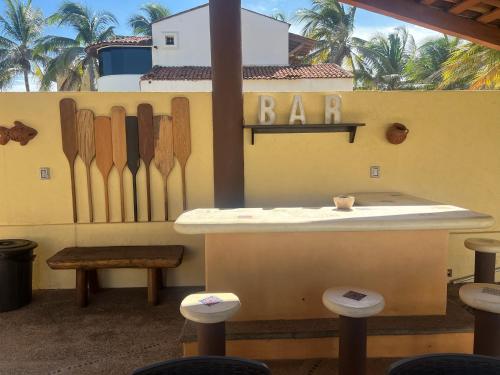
(81, 288)
(160, 278)
(93, 281)
(153, 286)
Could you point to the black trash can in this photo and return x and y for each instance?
(16, 258)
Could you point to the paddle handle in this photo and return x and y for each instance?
(148, 190)
(184, 193)
(89, 192)
(134, 188)
(122, 198)
(106, 197)
(73, 188)
(166, 196)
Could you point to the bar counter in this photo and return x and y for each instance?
(280, 260)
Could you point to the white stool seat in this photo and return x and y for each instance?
(353, 302)
(485, 297)
(483, 245)
(210, 308)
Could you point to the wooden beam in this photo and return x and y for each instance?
(489, 17)
(495, 3)
(463, 6)
(227, 103)
(432, 18)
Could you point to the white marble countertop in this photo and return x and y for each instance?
(372, 212)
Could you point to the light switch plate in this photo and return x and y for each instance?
(375, 171)
(44, 173)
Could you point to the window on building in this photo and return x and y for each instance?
(171, 39)
(124, 60)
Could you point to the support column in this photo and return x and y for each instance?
(227, 102)
(352, 346)
(212, 338)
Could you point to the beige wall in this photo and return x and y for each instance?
(451, 155)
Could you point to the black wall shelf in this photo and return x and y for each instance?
(313, 128)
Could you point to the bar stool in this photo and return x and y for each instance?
(210, 311)
(485, 258)
(485, 300)
(354, 306)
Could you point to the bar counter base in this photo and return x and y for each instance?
(283, 275)
(378, 346)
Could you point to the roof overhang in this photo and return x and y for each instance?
(475, 20)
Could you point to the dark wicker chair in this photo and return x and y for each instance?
(446, 364)
(207, 365)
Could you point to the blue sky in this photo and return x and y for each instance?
(367, 24)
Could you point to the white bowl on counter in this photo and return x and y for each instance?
(344, 202)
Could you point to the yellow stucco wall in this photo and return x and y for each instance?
(451, 155)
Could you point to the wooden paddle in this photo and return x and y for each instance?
(164, 151)
(119, 138)
(67, 109)
(86, 148)
(182, 139)
(133, 160)
(104, 153)
(146, 144)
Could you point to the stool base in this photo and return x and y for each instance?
(487, 333)
(352, 346)
(484, 268)
(212, 339)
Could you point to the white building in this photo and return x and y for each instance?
(177, 58)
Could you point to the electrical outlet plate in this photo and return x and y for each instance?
(375, 171)
(44, 173)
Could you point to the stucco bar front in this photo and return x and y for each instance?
(279, 261)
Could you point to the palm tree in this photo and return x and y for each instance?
(20, 30)
(425, 68)
(148, 13)
(478, 66)
(280, 16)
(74, 66)
(385, 59)
(331, 25)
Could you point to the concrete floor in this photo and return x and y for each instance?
(117, 333)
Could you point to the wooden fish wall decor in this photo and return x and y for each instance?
(120, 140)
(18, 133)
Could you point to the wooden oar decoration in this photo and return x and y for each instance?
(67, 109)
(86, 148)
(133, 154)
(104, 154)
(146, 145)
(119, 138)
(164, 151)
(182, 139)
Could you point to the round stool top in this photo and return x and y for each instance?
(483, 245)
(210, 307)
(485, 297)
(353, 302)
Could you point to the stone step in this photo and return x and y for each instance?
(389, 336)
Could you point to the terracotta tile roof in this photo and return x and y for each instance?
(122, 41)
(196, 73)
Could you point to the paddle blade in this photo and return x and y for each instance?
(132, 144)
(85, 135)
(164, 147)
(67, 109)
(103, 145)
(181, 129)
(146, 132)
(119, 138)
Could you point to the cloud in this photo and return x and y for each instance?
(420, 34)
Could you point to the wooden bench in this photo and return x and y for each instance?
(86, 261)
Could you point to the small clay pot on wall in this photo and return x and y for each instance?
(396, 134)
